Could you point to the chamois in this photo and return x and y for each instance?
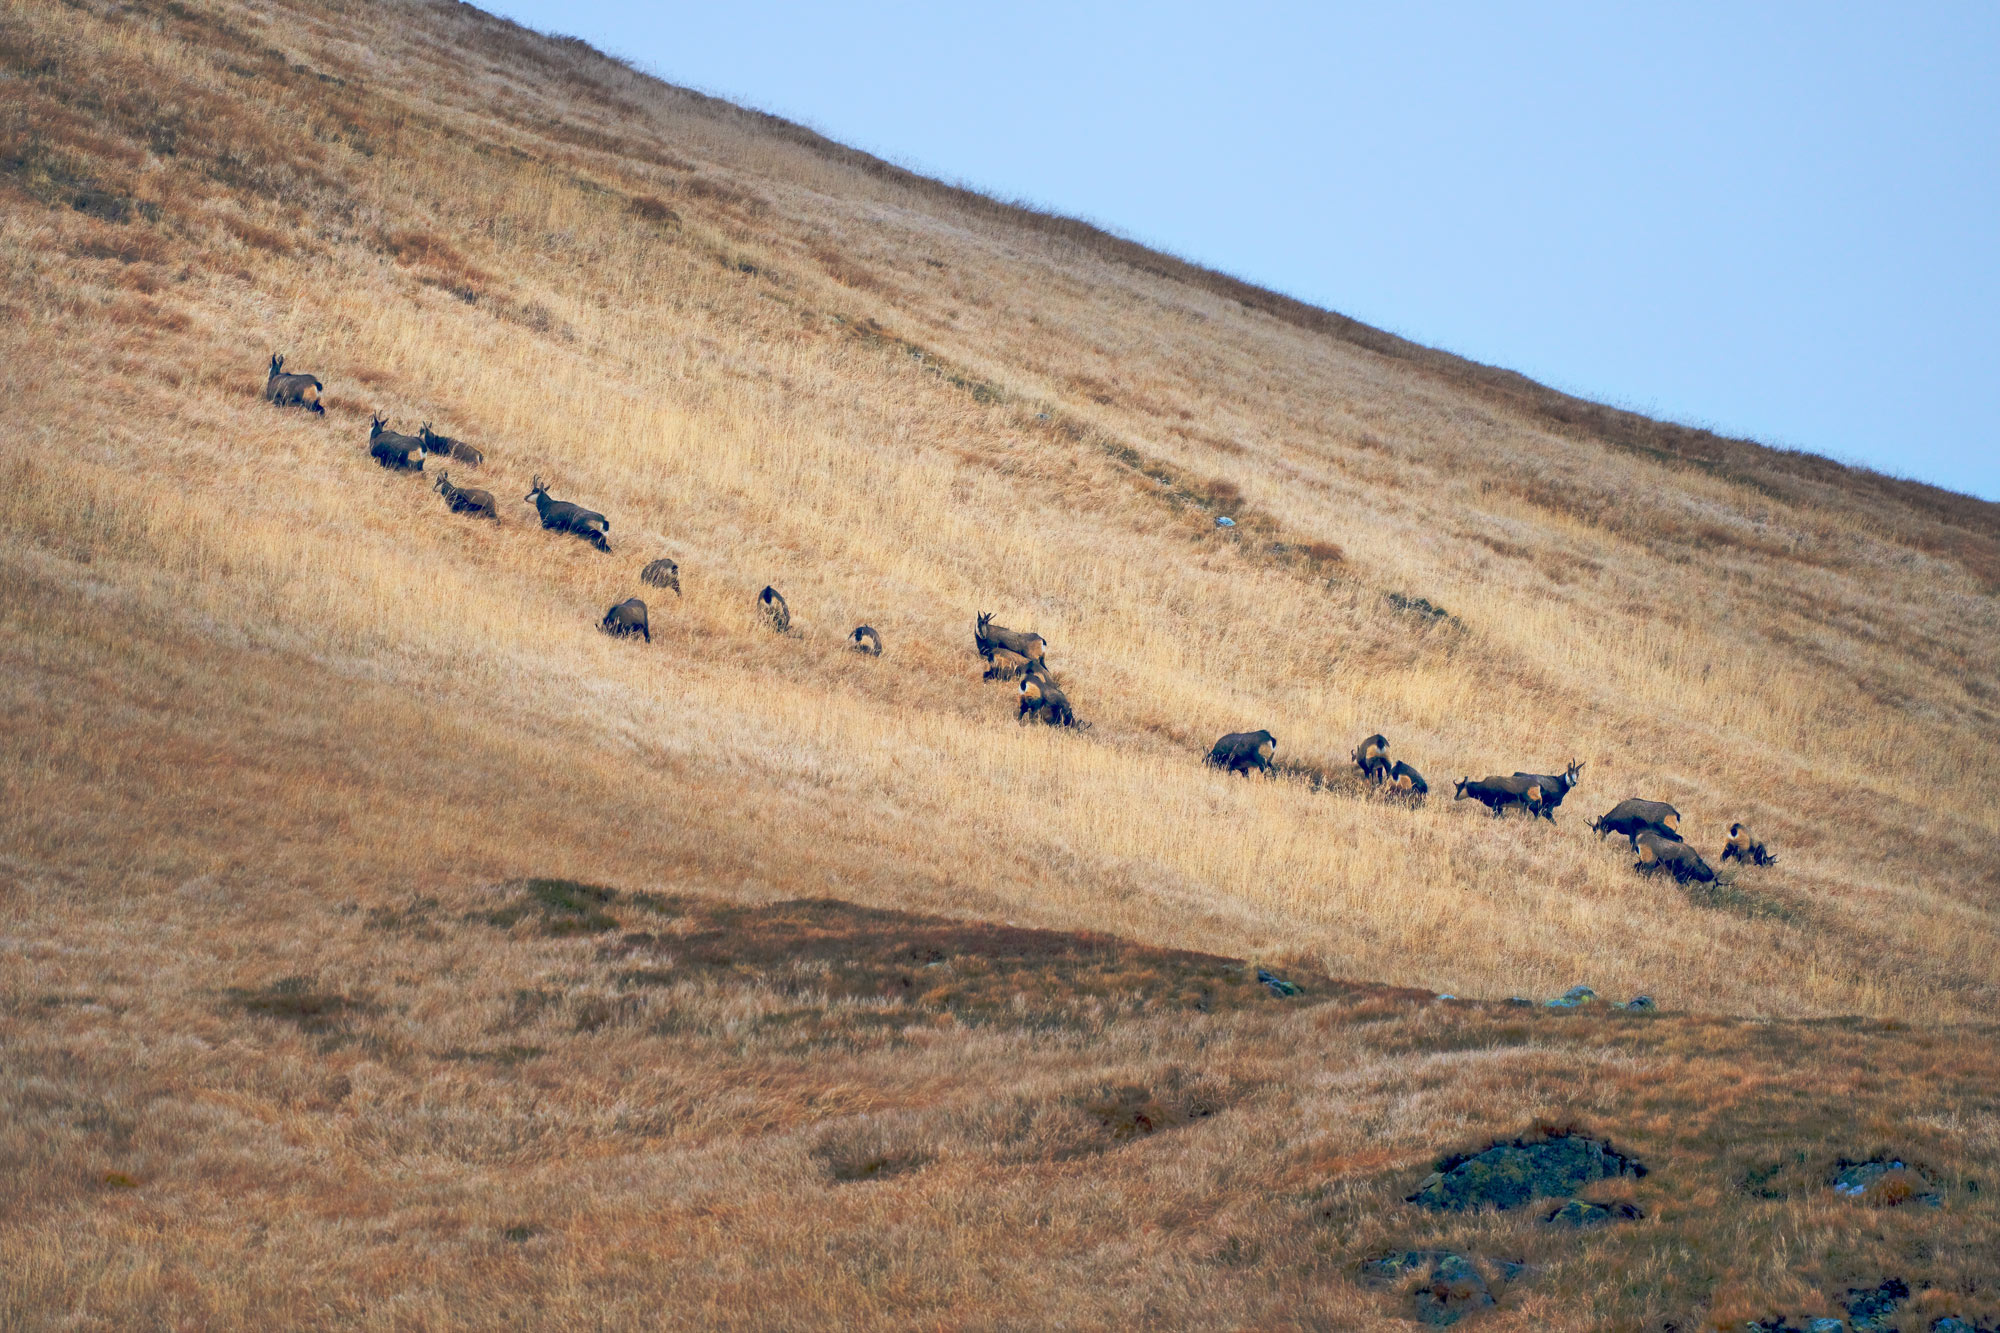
(398, 453)
(295, 390)
(990, 639)
(1040, 698)
(1497, 794)
(627, 617)
(662, 573)
(1745, 846)
(1372, 758)
(1404, 779)
(1659, 853)
(1555, 787)
(458, 451)
(465, 499)
(1241, 751)
(866, 640)
(775, 609)
(1633, 816)
(563, 516)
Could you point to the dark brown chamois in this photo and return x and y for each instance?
(1743, 845)
(1241, 751)
(1499, 794)
(773, 603)
(398, 453)
(563, 516)
(465, 499)
(662, 573)
(1372, 758)
(458, 451)
(1406, 780)
(991, 639)
(1633, 816)
(293, 390)
(1042, 700)
(866, 640)
(1555, 787)
(627, 617)
(1661, 853)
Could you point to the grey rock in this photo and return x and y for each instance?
(1873, 1309)
(1508, 1175)
(1577, 1213)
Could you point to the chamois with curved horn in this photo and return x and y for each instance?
(1500, 794)
(991, 640)
(465, 499)
(287, 389)
(773, 603)
(662, 573)
(563, 516)
(1241, 751)
(1632, 816)
(1745, 846)
(398, 453)
(1660, 853)
(458, 451)
(866, 640)
(1555, 787)
(627, 617)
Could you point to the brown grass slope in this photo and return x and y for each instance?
(262, 696)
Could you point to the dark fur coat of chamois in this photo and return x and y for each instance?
(293, 390)
(465, 499)
(1662, 853)
(1500, 794)
(398, 453)
(627, 617)
(866, 640)
(1044, 701)
(1745, 846)
(1241, 751)
(1632, 816)
(563, 516)
(991, 640)
(1555, 786)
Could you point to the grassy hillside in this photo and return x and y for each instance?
(280, 725)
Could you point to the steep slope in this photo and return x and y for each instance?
(262, 696)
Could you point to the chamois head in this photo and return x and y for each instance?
(277, 364)
(536, 489)
(377, 425)
(1570, 773)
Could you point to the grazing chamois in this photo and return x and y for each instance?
(1406, 780)
(627, 617)
(662, 573)
(1745, 846)
(990, 639)
(297, 390)
(1499, 794)
(458, 451)
(563, 516)
(866, 640)
(1041, 699)
(1555, 787)
(1658, 853)
(775, 609)
(1372, 758)
(1241, 751)
(1633, 816)
(398, 453)
(465, 499)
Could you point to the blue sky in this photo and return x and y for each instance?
(1777, 220)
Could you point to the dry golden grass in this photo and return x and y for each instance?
(262, 697)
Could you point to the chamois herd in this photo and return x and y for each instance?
(1652, 827)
